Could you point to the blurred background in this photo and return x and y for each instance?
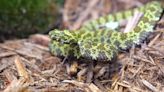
(21, 18)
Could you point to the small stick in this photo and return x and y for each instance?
(132, 22)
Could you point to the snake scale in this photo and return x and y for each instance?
(102, 44)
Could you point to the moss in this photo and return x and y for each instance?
(24, 17)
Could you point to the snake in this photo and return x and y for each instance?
(100, 39)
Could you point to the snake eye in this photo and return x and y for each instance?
(54, 34)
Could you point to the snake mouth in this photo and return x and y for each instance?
(62, 41)
(65, 42)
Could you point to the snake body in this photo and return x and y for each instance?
(102, 44)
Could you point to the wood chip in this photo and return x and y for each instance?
(18, 86)
(6, 54)
(87, 87)
(21, 68)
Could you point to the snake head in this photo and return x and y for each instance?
(65, 36)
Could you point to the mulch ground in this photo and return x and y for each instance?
(26, 65)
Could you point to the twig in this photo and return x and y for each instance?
(149, 85)
(153, 41)
(132, 22)
(140, 67)
(142, 59)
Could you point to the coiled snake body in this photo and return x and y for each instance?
(102, 44)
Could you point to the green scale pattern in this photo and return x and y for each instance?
(102, 44)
